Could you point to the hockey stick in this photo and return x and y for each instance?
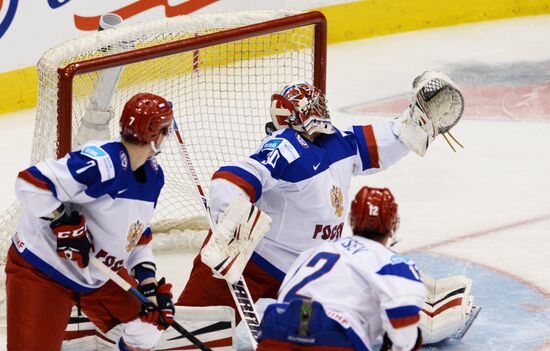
(145, 301)
(239, 290)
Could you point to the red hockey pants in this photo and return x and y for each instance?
(203, 289)
(39, 307)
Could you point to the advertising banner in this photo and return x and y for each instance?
(28, 28)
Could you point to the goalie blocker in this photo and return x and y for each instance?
(230, 245)
(225, 257)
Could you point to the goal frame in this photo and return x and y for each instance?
(69, 72)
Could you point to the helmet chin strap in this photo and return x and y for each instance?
(393, 241)
(154, 148)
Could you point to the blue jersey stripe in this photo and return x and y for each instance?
(402, 270)
(356, 340)
(268, 267)
(314, 157)
(362, 146)
(35, 172)
(402, 311)
(51, 272)
(252, 185)
(85, 170)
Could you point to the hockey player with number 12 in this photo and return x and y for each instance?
(300, 177)
(343, 295)
(99, 201)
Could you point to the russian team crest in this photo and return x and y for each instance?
(134, 234)
(337, 200)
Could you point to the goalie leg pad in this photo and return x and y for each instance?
(448, 308)
(239, 229)
(95, 126)
(213, 325)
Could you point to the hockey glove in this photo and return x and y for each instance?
(161, 315)
(437, 105)
(239, 229)
(74, 241)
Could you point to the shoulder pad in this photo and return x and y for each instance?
(400, 266)
(287, 150)
(102, 158)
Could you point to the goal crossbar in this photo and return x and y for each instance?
(67, 73)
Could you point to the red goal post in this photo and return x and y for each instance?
(67, 73)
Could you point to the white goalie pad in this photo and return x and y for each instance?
(448, 309)
(437, 105)
(95, 126)
(212, 325)
(239, 229)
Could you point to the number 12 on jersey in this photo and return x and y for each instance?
(329, 259)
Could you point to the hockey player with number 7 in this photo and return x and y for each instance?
(300, 177)
(98, 201)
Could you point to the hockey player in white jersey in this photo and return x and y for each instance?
(300, 176)
(345, 294)
(99, 201)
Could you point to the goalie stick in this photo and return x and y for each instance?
(239, 290)
(145, 301)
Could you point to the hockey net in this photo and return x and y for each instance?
(218, 70)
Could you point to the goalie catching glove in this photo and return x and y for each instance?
(437, 105)
(232, 241)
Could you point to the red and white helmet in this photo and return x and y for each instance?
(144, 117)
(374, 211)
(302, 107)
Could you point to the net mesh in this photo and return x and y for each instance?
(220, 95)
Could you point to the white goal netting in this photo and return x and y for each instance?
(220, 93)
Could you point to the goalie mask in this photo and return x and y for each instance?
(374, 212)
(302, 107)
(144, 118)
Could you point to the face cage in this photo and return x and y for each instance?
(394, 239)
(313, 119)
(167, 132)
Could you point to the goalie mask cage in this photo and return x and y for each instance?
(218, 70)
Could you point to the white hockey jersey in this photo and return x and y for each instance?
(365, 287)
(304, 186)
(118, 209)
